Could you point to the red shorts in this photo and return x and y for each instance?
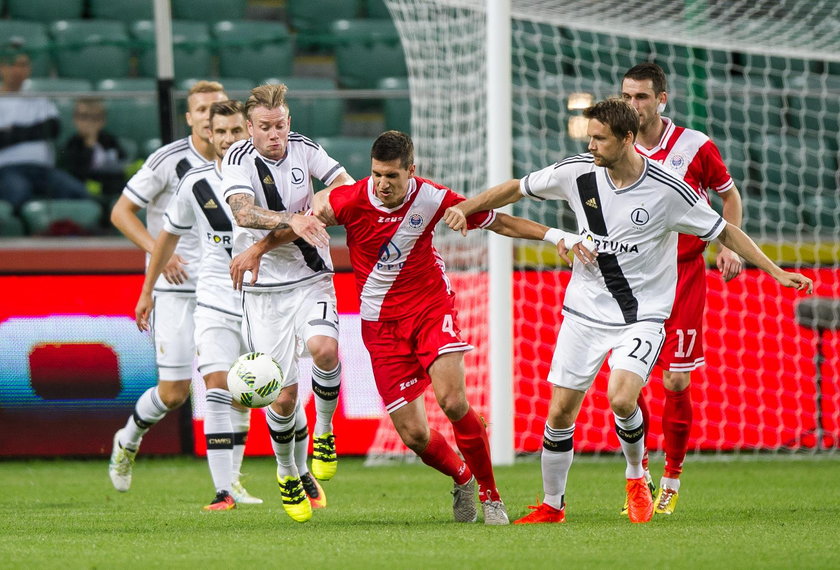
(683, 348)
(401, 351)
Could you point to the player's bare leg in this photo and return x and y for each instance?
(677, 418)
(326, 384)
(447, 374)
(557, 456)
(413, 427)
(150, 408)
(623, 392)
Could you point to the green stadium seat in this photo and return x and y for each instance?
(190, 45)
(91, 49)
(813, 104)
(253, 49)
(313, 116)
(365, 51)
(39, 215)
(235, 87)
(742, 108)
(149, 146)
(603, 56)
(126, 11)
(376, 9)
(208, 10)
(10, 225)
(33, 39)
(135, 117)
(397, 110)
(312, 20)
(45, 10)
(352, 152)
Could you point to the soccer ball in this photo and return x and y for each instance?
(255, 380)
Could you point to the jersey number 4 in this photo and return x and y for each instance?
(448, 325)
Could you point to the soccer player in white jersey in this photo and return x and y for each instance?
(630, 208)
(152, 188)
(409, 320)
(267, 180)
(693, 156)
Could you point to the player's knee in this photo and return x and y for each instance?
(416, 438)
(623, 405)
(324, 353)
(174, 394)
(454, 404)
(676, 381)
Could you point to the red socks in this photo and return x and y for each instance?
(676, 425)
(471, 438)
(439, 455)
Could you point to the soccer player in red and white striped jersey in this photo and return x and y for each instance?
(695, 158)
(409, 321)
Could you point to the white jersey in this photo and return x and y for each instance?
(283, 185)
(634, 228)
(153, 186)
(198, 207)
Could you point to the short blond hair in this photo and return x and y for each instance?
(204, 86)
(268, 96)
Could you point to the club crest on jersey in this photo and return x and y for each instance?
(677, 162)
(415, 221)
(297, 175)
(640, 216)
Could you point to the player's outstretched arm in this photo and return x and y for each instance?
(739, 242)
(248, 215)
(495, 197)
(162, 253)
(321, 207)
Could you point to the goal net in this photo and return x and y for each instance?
(762, 78)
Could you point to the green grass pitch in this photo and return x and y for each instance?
(743, 513)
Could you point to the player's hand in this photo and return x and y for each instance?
(797, 281)
(729, 263)
(584, 250)
(143, 311)
(322, 209)
(174, 271)
(455, 219)
(310, 229)
(248, 260)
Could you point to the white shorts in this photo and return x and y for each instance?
(581, 349)
(173, 329)
(280, 323)
(218, 340)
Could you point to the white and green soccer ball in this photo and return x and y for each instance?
(255, 380)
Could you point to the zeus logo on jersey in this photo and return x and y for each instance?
(389, 257)
(389, 219)
(408, 383)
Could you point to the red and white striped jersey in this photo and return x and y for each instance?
(696, 159)
(398, 270)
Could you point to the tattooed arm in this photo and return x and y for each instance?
(248, 215)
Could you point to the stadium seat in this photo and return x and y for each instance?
(813, 104)
(33, 39)
(10, 225)
(45, 10)
(397, 110)
(742, 108)
(91, 49)
(365, 51)
(376, 9)
(352, 152)
(235, 87)
(126, 11)
(312, 20)
(190, 44)
(209, 10)
(313, 116)
(39, 215)
(135, 117)
(253, 49)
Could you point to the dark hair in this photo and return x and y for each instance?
(392, 145)
(619, 115)
(226, 109)
(649, 70)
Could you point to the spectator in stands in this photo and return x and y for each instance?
(28, 128)
(93, 155)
